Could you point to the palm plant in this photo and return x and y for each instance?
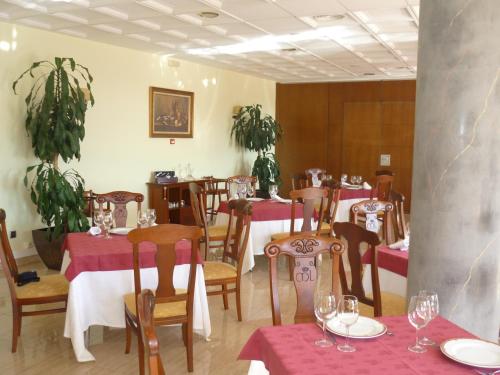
(256, 133)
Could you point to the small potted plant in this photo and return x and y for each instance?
(257, 132)
(55, 118)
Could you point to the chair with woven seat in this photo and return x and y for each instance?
(399, 220)
(214, 190)
(303, 249)
(119, 199)
(241, 180)
(214, 235)
(371, 210)
(146, 305)
(314, 176)
(172, 306)
(229, 270)
(355, 235)
(50, 289)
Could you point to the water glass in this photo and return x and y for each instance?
(343, 178)
(142, 219)
(107, 222)
(433, 301)
(359, 180)
(242, 191)
(151, 215)
(348, 313)
(419, 317)
(98, 218)
(324, 309)
(273, 191)
(354, 179)
(250, 190)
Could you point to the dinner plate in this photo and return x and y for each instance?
(364, 328)
(120, 231)
(472, 352)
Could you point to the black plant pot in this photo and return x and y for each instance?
(50, 251)
(262, 194)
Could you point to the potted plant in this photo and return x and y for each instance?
(256, 133)
(55, 117)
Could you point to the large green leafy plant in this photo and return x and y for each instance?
(257, 132)
(55, 118)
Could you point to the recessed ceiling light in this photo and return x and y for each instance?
(368, 74)
(208, 14)
(289, 49)
(328, 17)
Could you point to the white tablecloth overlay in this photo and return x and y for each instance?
(96, 298)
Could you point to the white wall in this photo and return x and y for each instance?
(117, 152)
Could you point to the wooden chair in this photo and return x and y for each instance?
(314, 176)
(302, 249)
(383, 185)
(399, 221)
(90, 197)
(241, 180)
(50, 289)
(212, 235)
(145, 311)
(375, 208)
(331, 208)
(299, 181)
(214, 190)
(172, 306)
(119, 199)
(224, 273)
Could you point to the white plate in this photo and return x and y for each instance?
(120, 231)
(364, 328)
(472, 352)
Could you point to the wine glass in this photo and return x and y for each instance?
(242, 191)
(250, 190)
(359, 180)
(108, 222)
(142, 219)
(433, 301)
(348, 313)
(418, 316)
(99, 219)
(343, 178)
(273, 191)
(354, 179)
(151, 215)
(324, 309)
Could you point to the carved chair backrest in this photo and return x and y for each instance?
(331, 208)
(7, 259)
(308, 197)
(241, 180)
(299, 181)
(314, 175)
(399, 221)
(215, 185)
(383, 187)
(355, 235)
(303, 249)
(145, 313)
(240, 218)
(198, 200)
(119, 199)
(165, 237)
(371, 209)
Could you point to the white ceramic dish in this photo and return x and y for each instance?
(120, 231)
(364, 328)
(473, 352)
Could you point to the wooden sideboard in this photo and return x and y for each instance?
(160, 195)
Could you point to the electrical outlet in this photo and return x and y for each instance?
(385, 160)
(13, 234)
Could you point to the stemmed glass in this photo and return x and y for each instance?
(242, 191)
(359, 180)
(142, 219)
(325, 309)
(250, 190)
(99, 219)
(273, 191)
(343, 178)
(348, 313)
(151, 215)
(433, 301)
(354, 179)
(418, 316)
(108, 222)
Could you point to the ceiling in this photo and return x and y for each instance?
(282, 40)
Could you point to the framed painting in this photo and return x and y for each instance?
(170, 113)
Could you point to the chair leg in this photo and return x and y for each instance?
(224, 296)
(189, 346)
(16, 326)
(141, 354)
(184, 333)
(128, 336)
(290, 267)
(238, 301)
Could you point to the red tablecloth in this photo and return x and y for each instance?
(88, 253)
(392, 260)
(346, 194)
(268, 210)
(290, 350)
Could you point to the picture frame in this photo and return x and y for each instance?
(170, 113)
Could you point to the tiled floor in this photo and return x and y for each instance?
(43, 349)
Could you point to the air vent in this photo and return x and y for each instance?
(328, 17)
(208, 14)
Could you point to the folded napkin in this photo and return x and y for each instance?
(252, 199)
(277, 198)
(94, 231)
(367, 186)
(402, 245)
(351, 186)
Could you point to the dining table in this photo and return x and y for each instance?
(290, 349)
(100, 272)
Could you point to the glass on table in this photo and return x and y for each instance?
(151, 215)
(99, 218)
(343, 178)
(359, 180)
(142, 218)
(242, 191)
(433, 301)
(354, 179)
(108, 223)
(273, 191)
(324, 309)
(419, 317)
(348, 313)
(250, 189)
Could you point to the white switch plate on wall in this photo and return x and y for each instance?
(385, 160)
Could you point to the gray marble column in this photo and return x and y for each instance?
(455, 211)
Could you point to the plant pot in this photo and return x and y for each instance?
(262, 194)
(49, 251)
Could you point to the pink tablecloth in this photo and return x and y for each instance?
(88, 253)
(392, 260)
(268, 210)
(346, 194)
(290, 350)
